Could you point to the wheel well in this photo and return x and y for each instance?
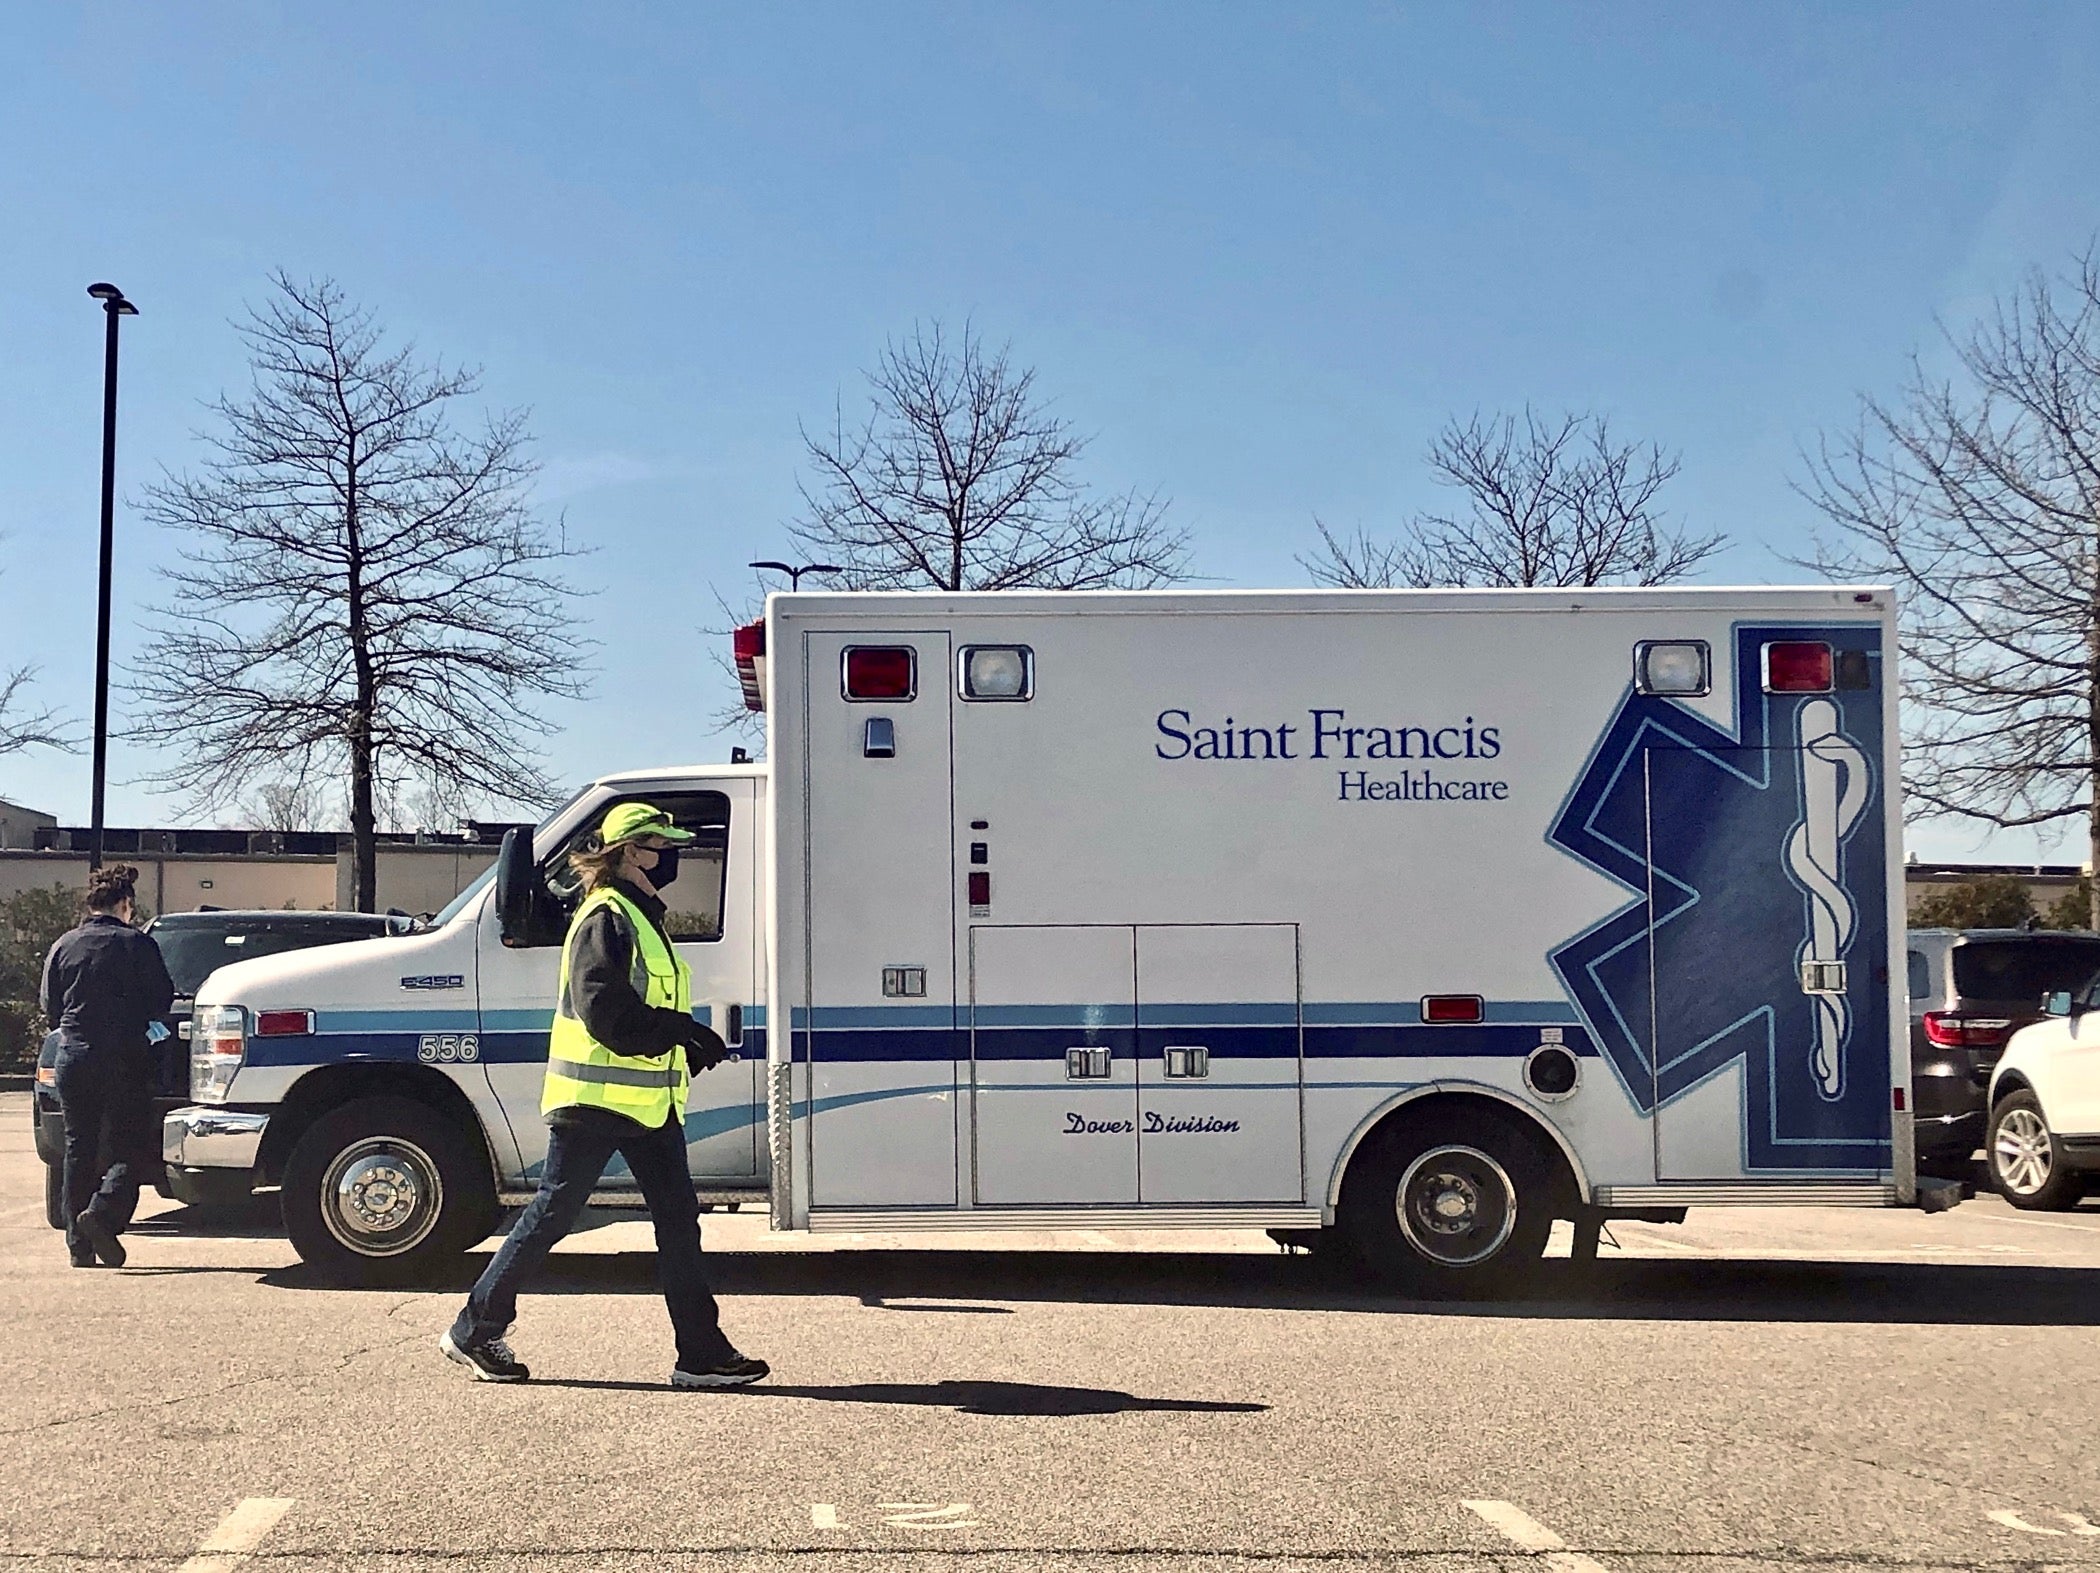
(332, 1086)
(2010, 1082)
(1432, 1104)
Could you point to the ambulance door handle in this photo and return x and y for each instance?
(1086, 1064)
(1187, 1060)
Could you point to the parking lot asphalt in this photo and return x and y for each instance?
(1756, 1388)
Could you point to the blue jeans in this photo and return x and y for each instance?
(577, 1153)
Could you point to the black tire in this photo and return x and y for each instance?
(55, 1195)
(1455, 1203)
(2025, 1159)
(386, 1191)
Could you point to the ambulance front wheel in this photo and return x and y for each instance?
(384, 1191)
(1457, 1203)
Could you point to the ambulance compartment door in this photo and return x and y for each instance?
(1768, 957)
(1054, 1073)
(1219, 1066)
(881, 1037)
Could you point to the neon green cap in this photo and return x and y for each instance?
(632, 821)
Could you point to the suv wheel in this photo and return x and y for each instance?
(2026, 1162)
(1458, 1204)
(383, 1191)
(55, 1195)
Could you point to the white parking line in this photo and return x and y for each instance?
(1523, 1530)
(823, 1515)
(237, 1534)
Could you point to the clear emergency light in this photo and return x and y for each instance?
(997, 671)
(1677, 667)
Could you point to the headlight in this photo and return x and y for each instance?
(218, 1038)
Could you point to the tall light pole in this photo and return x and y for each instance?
(114, 305)
(795, 574)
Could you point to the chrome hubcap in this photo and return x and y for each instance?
(1456, 1205)
(2020, 1152)
(382, 1196)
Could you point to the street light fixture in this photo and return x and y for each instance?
(114, 305)
(795, 574)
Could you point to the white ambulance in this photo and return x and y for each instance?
(1412, 921)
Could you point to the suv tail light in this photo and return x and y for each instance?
(1952, 1030)
(218, 1039)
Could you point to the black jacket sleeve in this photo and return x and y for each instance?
(156, 990)
(601, 953)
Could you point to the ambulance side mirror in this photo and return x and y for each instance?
(523, 903)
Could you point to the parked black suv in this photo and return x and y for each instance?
(195, 945)
(1971, 990)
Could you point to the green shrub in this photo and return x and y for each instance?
(30, 923)
(1989, 901)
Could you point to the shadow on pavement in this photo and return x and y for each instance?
(1643, 1289)
(965, 1398)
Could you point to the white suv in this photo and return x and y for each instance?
(2043, 1141)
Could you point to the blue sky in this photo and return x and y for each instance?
(1259, 253)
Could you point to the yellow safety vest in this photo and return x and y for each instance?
(581, 1071)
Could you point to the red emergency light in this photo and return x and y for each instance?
(748, 645)
(1798, 666)
(881, 672)
(1448, 1009)
(284, 1023)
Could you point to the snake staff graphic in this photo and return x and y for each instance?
(1833, 796)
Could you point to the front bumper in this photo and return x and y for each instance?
(210, 1154)
(195, 1138)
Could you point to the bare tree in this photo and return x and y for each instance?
(961, 479)
(1555, 501)
(367, 596)
(287, 803)
(1977, 494)
(23, 726)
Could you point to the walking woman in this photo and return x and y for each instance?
(619, 1063)
(105, 985)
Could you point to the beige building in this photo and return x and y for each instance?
(181, 870)
(19, 826)
(2047, 883)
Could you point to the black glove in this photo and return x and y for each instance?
(703, 1050)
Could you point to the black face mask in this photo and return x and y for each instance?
(666, 868)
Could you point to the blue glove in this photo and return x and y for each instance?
(156, 1032)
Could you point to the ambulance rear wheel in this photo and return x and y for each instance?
(1456, 1204)
(385, 1191)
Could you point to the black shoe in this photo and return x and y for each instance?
(491, 1361)
(732, 1370)
(101, 1237)
(83, 1256)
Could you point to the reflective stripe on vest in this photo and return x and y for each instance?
(582, 1072)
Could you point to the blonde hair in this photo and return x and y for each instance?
(595, 863)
